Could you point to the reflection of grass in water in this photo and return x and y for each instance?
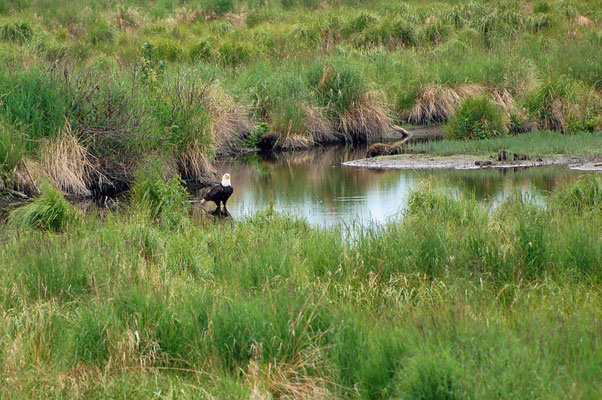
(536, 143)
(487, 183)
(256, 162)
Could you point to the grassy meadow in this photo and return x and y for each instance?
(89, 87)
(452, 300)
(156, 300)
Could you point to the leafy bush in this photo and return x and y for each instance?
(261, 129)
(220, 7)
(50, 211)
(476, 118)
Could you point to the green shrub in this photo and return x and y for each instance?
(232, 53)
(168, 49)
(261, 129)
(201, 50)
(404, 31)
(548, 103)
(360, 22)
(278, 96)
(338, 85)
(219, 7)
(476, 118)
(50, 211)
(181, 108)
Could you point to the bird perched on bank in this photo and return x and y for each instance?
(220, 193)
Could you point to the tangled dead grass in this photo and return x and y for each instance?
(291, 379)
(318, 126)
(434, 104)
(367, 119)
(437, 103)
(230, 121)
(193, 164)
(582, 20)
(68, 164)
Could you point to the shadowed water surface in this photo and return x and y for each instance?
(314, 185)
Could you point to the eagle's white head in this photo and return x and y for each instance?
(226, 180)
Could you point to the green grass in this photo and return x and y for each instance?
(50, 211)
(143, 77)
(476, 118)
(538, 143)
(451, 300)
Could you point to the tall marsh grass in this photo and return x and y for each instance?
(451, 300)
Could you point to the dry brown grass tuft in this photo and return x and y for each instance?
(293, 142)
(193, 164)
(435, 104)
(237, 20)
(128, 19)
(293, 379)
(504, 99)
(26, 176)
(230, 121)
(582, 20)
(68, 163)
(318, 126)
(367, 119)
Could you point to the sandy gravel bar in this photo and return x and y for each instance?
(424, 161)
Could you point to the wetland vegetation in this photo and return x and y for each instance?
(89, 89)
(451, 299)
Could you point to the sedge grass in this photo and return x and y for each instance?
(450, 301)
(538, 143)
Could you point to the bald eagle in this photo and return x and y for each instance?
(220, 193)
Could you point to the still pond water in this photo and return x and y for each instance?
(314, 185)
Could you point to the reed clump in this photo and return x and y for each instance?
(51, 211)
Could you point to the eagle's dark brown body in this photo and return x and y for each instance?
(219, 194)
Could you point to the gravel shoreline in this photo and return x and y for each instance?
(426, 161)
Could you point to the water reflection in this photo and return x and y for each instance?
(314, 185)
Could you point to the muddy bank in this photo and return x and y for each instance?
(425, 161)
(429, 132)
